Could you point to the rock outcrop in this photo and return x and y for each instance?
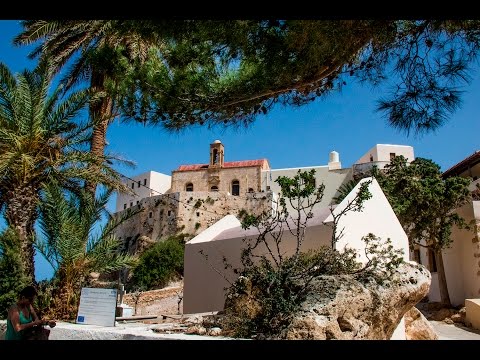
(417, 327)
(341, 307)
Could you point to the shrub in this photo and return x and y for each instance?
(13, 277)
(160, 264)
(272, 284)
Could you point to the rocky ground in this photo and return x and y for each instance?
(166, 305)
(436, 312)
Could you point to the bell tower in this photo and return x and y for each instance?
(216, 155)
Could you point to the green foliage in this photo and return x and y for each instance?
(277, 293)
(161, 263)
(181, 73)
(425, 205)
(272, 284)
(274, 294)
(70, 244)
(301, 186)
(344, 190)
(198, 203)
(382, 260)
(13, 277)
(197, 225)
(423, 200)
(41, 144)
(45, 300)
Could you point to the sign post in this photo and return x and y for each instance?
(97, 307)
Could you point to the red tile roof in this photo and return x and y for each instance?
(462, 165)
(228, 164)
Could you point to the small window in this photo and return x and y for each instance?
(392, 156)
(133, 185)
(150, 214)
(250, 190)
(124, 206)
(144, 182)
(235, 187)
(371, 157)
(131, 203)
(198, 213)
(138, 183)
(214, 188)
(138, 202)
(169, 212)
(189, 187)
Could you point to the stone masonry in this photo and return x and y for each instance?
(186, 212)
(203, 179)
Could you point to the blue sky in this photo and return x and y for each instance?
(288, 137)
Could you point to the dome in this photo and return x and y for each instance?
(217, 142)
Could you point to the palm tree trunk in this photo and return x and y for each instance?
(21, 213)
(442, 280)
(100, 113)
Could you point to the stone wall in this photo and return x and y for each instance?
(185, 212)
(198, 210)
(156, 220)
(157, 302)
(202, 180)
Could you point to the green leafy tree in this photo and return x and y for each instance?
(425, 205)
(278, 282)
(102, 53)
(40, 143)
(71, 245)
(229, 72)
(13, 277)
(180, 73)
(161, 263)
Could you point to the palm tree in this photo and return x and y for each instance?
(73, 247)
(39, 143)
(344, 190)
(95, 45)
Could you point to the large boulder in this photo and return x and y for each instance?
(341, 307)
(417, 327)
(344, 308)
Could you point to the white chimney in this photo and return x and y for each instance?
(334, 161)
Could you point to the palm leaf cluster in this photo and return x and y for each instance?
(42, 141)
(75, 246)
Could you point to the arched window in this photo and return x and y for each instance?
(189, 187)
(214, 188)
(215, 157)
(250, 190)
(235, 187)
